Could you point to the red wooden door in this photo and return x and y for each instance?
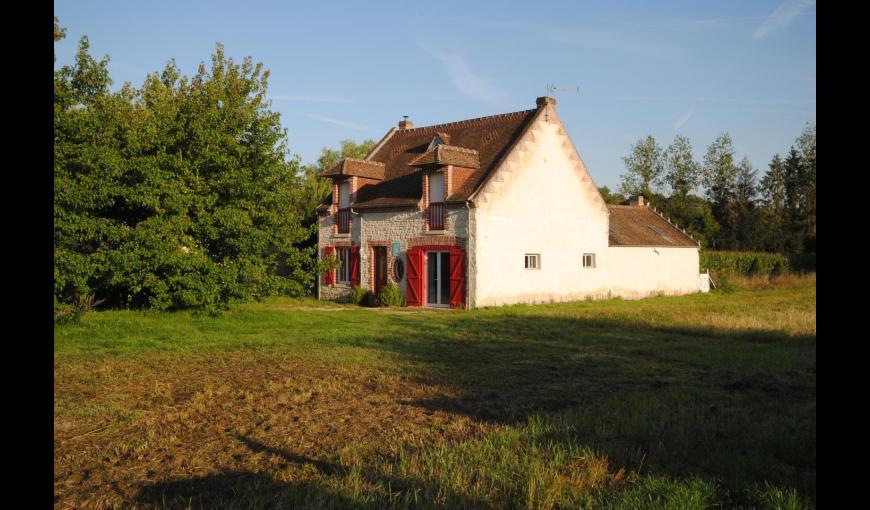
(354, 265)
(457, 277)
(414, 293)
(380, 268)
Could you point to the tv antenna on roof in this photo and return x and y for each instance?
(551, 92)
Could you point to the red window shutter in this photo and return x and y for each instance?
(354, 265)
(329, 276)
(414, 280)
(457, 277)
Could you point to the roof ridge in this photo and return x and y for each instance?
(466, 121)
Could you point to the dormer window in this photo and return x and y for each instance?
(342, 218)
(436, 201)
(344, 195)
(436, 188)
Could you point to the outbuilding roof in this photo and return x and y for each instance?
(639, 225)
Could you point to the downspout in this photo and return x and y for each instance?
(319, 278)
(472, 238)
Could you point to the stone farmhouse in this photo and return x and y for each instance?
(492, 211)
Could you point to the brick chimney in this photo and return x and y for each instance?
(541, 101)
(636, 200)
(405, 123)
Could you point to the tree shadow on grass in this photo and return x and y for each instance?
(736, 406)
(232, 489)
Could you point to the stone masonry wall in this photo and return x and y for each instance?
(382, 228)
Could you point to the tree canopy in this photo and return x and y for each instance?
(176, 194)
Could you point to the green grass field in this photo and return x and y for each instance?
(703, 401)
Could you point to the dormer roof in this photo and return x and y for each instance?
(357, 167)
(448, 155)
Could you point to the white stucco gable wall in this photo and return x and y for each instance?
(540, 200)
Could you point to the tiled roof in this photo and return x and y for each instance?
(358, 167)
(632, 225)
(402, 184)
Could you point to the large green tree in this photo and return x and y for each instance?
(315, 189)
(177, 194)
(749, 233)
(681, 172)
(644, 168)
(720, 179)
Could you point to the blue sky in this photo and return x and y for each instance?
(344, 70)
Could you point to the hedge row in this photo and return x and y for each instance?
(744, 263)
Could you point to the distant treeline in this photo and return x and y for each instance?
(738, 211)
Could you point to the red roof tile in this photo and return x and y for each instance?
(402, 185)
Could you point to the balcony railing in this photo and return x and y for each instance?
(436, 216)
(343, 220)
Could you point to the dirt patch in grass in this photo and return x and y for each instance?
(122, 424)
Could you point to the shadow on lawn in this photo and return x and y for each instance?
(246, 489)
(738, 408)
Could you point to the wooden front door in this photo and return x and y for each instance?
(380, 268)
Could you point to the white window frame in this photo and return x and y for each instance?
(443, 272)
(343, 271)
(592, 259)
(533, 261)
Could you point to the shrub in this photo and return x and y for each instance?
(359, 296)
(753, 269)
(390, 295)
(73, 313)
(723, 284)
(778, 270)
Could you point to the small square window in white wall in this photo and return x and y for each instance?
(588, 260)
(533, 261)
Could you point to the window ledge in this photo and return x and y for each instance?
(341, 236)
(434, 232)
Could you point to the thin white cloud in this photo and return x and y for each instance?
(338, 122)
(781, 17)
(463, 77)
(311, 99)
(682, 120)
(736, 100)
(620, 39)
